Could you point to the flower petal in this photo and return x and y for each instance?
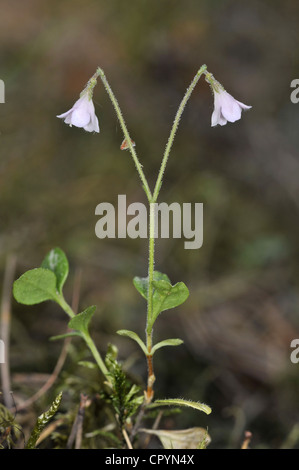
(93, 125)
(68, 119)
(244, 106)
(217, 111)
(215, 117)
(226, 108)
(65, 114)
(222, 121)
(230, 108)
(80, 117)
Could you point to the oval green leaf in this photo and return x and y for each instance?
(81, 321)
(35, 286)
(57, 262)
(141, 283)
(166, 342)
(135, 337)
(165, 296)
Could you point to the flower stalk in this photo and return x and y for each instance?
(174, 129)
(128, 139)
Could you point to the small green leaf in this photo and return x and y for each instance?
(133, 391)
(135, 337)
(57, 262)
(35, 286)
(166, 342)
(165, 296)
(180, 402)
(65, 335)
(81, 321)
(42, 421)
(141, 283)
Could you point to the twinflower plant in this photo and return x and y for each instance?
(160, 294)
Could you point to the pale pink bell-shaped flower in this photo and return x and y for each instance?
(82, 114)
(226, 108)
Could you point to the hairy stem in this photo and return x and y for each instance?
(149, 329)
(175, 126)
(151, 266)
(65, 306)
(97, 356)
(138, 165)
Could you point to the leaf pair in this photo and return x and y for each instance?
(46, 283)
(165, 295)
(135, 337)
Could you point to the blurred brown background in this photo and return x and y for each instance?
(244, 290)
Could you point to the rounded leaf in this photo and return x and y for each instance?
(57, 262)
(35, 286)
(81, 321)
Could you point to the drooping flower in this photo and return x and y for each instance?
(226, 108)
(82, 114)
